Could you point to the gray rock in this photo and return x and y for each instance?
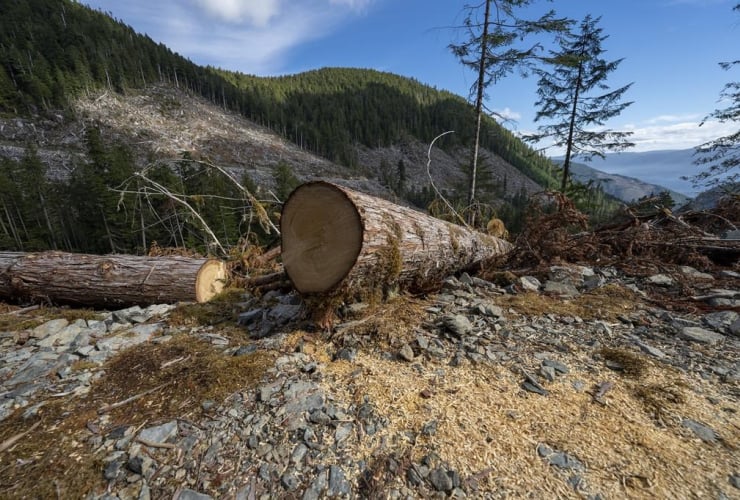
(318, 485)
(693, 273)
(457, 324)
(721, 321)
(703, 432)
(559, 459)
(62, 338)
(250, 317)
(440, 479)
(660, 280)
(701, 335)
(548, 372)
(647, 348)
(49, 328)
(560, 289)
(290, 480)
(735, 480)
(159, 433)
(338, 484)
(343, 431)
(557, 365)
(188, 494)
(406, 353)
(284, 313)
(735, 328)
(530, 283)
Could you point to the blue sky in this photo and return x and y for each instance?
(671, 49)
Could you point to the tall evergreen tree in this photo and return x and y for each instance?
(497, 45)
(722, 155)
(566, 98)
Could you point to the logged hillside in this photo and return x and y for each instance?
(51, 52)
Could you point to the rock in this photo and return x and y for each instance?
(735, 480)
(284, 313)
(660, 280)
(735, 328)
(160, 433)
(49, 328)
(562, 290)
(548, 372)
(721, 321)
(457, 324)
(653, 351)
(188, 494)
(318, 485)
(441, 479)
(557, 365)
(701, 335)
(406, 353)
(703, 432)
(690, 272)
(531, 384)
(559, 459)
(530, 283)
(289, 480)
(338, 484)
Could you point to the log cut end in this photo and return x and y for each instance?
(210, 280)
(322, 236)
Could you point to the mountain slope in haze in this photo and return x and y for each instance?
(661, 168)
(625, 188)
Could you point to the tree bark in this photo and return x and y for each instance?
(108, 280)
(337, 239)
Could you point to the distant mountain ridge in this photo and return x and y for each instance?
(625, 188)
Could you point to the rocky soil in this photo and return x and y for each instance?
(572, 383)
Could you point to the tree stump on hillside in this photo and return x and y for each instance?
(336, 240)
(108, 280)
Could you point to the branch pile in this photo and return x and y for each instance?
(556, 231)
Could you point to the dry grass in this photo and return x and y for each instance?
(604, 303)
(56, 461)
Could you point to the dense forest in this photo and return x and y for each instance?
(52, 51)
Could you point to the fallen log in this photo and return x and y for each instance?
(108, 280)
(338, 240)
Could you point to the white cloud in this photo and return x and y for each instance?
(251, 36)
(681, 135)
(507, 114)
(673, 118)
(255, 12)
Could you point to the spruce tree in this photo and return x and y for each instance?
(497, 45)
(722, 155)
(566, 98)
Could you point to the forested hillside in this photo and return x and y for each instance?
(53, 50)
(56, 52)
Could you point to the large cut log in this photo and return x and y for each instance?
(334, 238)
(108, 280)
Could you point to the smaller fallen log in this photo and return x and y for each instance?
(339, 241)
(108, 280)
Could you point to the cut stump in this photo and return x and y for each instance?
(336, 238)
(108, 280)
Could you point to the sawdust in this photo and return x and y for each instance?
(488, 428)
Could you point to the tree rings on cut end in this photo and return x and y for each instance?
(210, 280)
(322, 235)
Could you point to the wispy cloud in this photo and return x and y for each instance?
(677, 135)
(506, 114)
(252, 36)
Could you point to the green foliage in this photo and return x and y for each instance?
(285, 181)
(566, 98)
(721, 157)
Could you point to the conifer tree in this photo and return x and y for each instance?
(567, 100)
(722, 155)
(497, 45)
